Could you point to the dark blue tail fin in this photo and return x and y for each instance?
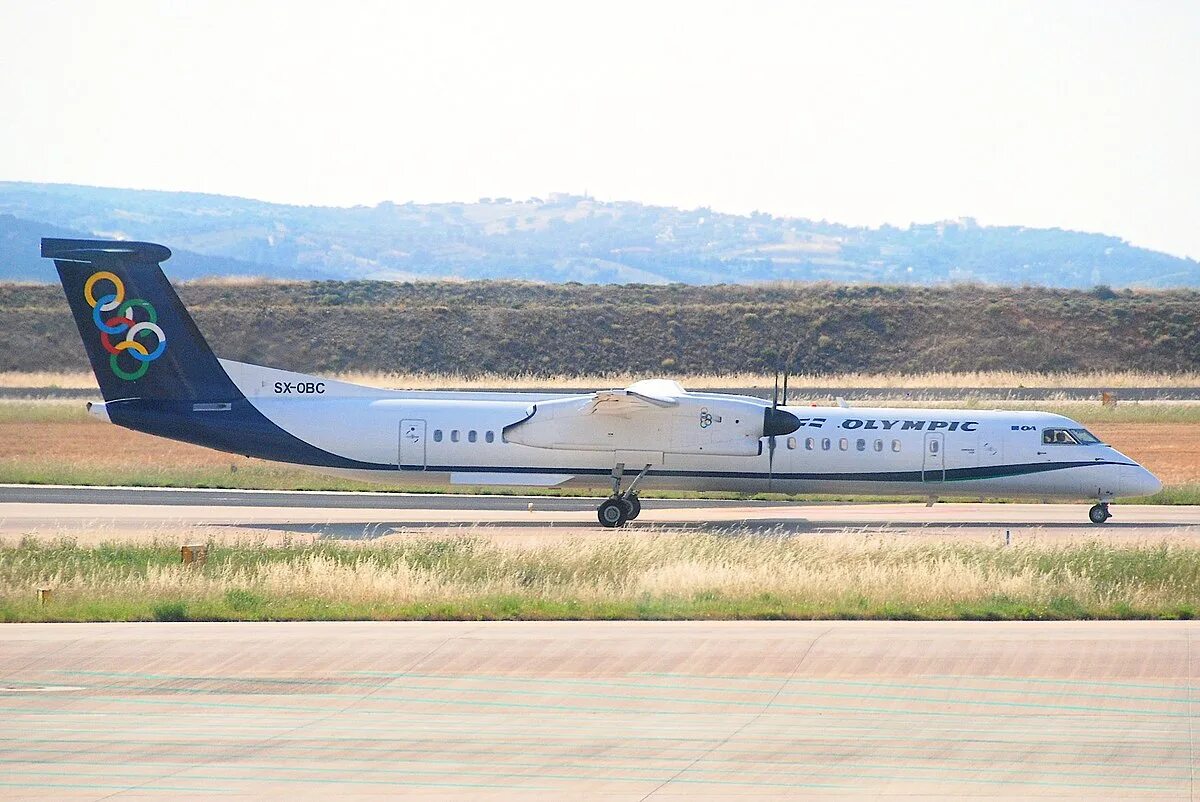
(140, 340)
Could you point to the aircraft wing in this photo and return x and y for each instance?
(643, 395)
(652, 416)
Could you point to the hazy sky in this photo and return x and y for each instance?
(1081, 115)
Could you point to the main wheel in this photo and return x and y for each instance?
(612, 513)
(633, 508)
(1099, 513)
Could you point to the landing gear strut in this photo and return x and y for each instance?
(621, 507)
(1099, 513)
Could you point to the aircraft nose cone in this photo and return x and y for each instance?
(778, 422)
(1137, 481)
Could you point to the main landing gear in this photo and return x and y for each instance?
(620, 507)
(1099, 513)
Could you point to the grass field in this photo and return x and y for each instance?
(658, 575)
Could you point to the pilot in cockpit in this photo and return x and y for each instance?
(1057, 437)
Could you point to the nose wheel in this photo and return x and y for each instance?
(621, 507)
(1099, 513)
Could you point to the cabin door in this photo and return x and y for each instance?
(412, 445)
(934, 467)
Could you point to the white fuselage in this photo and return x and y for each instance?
(459, 439)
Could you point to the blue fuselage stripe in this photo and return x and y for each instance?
(951, 474)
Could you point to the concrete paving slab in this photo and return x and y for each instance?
(618, 710)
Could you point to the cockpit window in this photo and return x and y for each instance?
(1070, 437)
(1058, 437)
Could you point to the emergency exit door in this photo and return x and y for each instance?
(412, 444)
(934, 466)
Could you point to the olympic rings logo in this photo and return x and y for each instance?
(122, 321)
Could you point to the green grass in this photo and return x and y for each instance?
(43, 411)
(660, 576)
(1089, 413)
(1183, 494)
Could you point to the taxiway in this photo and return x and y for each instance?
(91, 513)
(623, 710)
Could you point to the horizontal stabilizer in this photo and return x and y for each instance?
(87, 250)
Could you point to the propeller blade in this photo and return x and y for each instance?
(777, 422)
(770, 462)
(785, 378)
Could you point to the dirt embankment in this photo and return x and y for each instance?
(511, 328)
(1170, 450)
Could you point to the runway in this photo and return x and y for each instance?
(170, 496)
(623, 710)
(97, 514)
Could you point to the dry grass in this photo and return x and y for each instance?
(1087, 412)
(235, 281)
(660, 574)
(1109, 380)
(1106, 380)
(47, 379)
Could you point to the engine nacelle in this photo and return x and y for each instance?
(728, 427)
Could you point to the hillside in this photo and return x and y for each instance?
(513, 327)
(563, 238)
(20, 256)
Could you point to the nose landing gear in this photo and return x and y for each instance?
(620, 508)
(1099, 513)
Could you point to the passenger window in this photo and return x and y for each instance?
(791, 444)
(861, 445)
(471, 436)
(437, 435)
(489, 437)
(825, 444)
(844, 444)
(454, 435)
(896, 446)
(933, 446)
(879, 445)
(809, 444)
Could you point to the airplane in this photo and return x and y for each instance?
(157, 374)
